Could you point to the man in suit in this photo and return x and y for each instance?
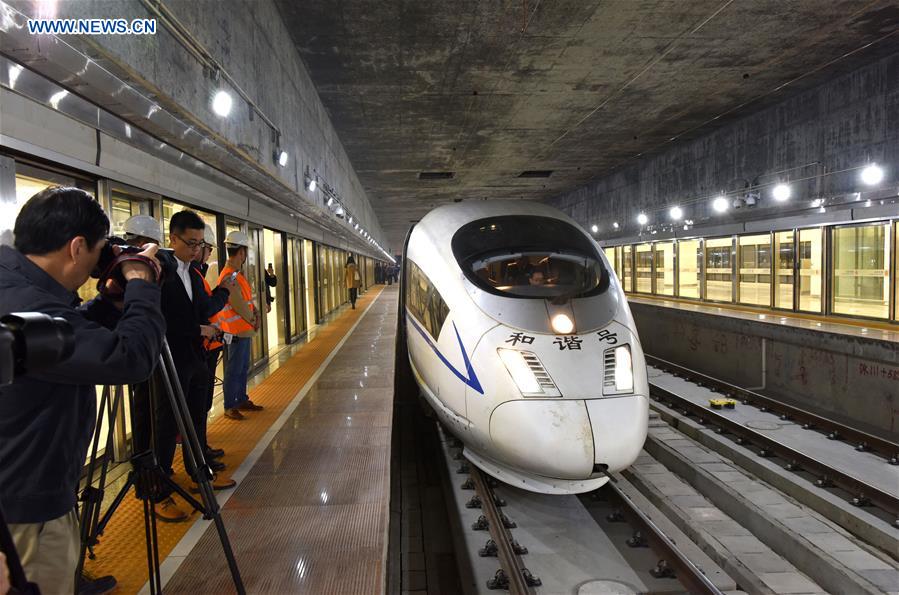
(187, 309)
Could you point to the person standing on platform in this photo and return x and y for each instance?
(187, 309)
(352, 278)
(47, 416)
(240, 322)
(271, 281)
(213, 347)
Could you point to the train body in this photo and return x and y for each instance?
(521, 340)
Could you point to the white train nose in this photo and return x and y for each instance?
(552, 438)
(619, 429)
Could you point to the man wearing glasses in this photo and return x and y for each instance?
(187, 309)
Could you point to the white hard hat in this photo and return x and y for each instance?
(144, 226)
(209, 235)
(238, 238)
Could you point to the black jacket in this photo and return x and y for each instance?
(47, 416)
(183, 317)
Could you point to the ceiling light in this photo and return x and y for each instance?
(330, 200)
(221, 103)
(676, 213)
(14, 71)
(872, 174)
(615, 225)
(817, 202)
(719, 204)
(311, 184)
(281, 157)
(781, 192)
(594, 229)
(642, 218)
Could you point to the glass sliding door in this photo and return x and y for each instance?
(719, 276)
(689, 266)
(811, 264)
(664, 268)
(784, 264)
(643, 257)
(861, 270)
(754, 285)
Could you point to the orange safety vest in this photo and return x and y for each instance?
(232, 322)
(214, 320)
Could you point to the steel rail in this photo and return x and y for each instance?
(862, 491)
(687, 573)
(882, 446)
(508, 559)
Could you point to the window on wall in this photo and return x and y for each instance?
(643, 257)
(627, 266)
(719, 269)
(29, 181)
(664, 263)
(755, 269)
(689, 267)
(811, 258)
(784, 262)
(611, 254)
(861, 268)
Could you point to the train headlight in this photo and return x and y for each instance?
(528, 373)
(618, 370)
(562, 324)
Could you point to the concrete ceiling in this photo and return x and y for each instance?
(487, 89)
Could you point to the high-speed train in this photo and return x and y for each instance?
(520, 339)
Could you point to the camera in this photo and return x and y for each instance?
(111, 282)
(30, 341)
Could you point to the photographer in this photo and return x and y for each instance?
(47, 417)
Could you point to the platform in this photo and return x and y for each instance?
(312, 471)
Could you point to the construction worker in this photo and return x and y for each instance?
(213, 347)
(240, 322)
(142, 229)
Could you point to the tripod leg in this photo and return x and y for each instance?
(91, 497)
(195, 459)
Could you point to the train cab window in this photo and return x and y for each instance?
(523, 256)
(643, 260)
(664, 268)
(811, 257)
(861, 267)
(689, 266)
(719, 280)
(755, 270)
(627, 268)
(784, 262)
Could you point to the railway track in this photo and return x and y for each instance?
(834, 430)
(517, 579)
(860, 493)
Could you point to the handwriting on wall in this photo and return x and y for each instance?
(878, 371)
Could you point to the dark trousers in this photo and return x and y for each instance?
(212, 361)
(153, 426)
(353, 293)
(192, 376)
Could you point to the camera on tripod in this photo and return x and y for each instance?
(28, 341)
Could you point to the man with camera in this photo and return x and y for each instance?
(187, 309)
(47, 417)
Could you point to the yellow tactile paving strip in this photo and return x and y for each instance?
(121, 551)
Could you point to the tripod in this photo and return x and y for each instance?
(146, 476)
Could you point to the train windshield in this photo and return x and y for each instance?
(529, 257)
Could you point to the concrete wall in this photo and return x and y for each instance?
(847, 378)
(249, 38)
(836, 126)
